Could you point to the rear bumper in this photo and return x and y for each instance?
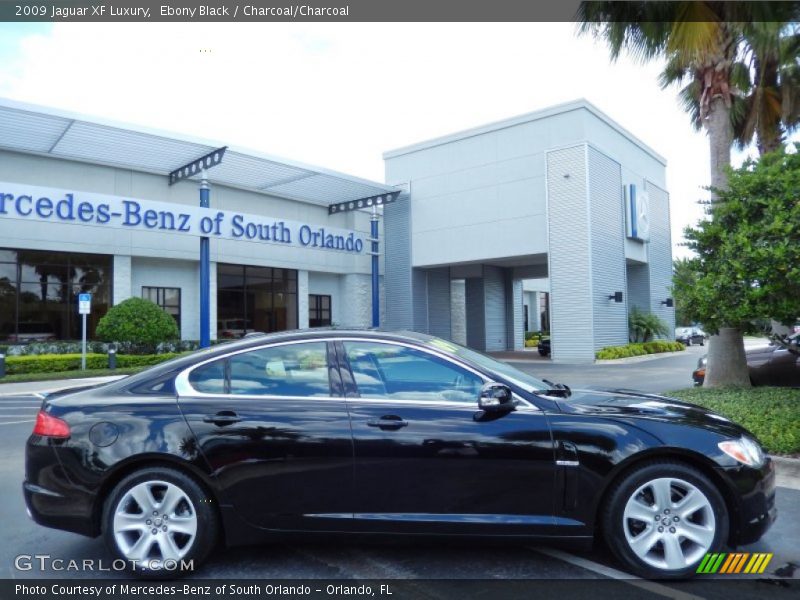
(51, 497)
(51, 509)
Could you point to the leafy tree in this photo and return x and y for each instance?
(138, 321)
(645, 326)
(747, 267)
(682, 272)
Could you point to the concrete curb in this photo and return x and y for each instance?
(638, 359)
(787, 472)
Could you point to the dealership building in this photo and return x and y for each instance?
(554, 220)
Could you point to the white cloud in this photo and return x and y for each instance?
(338, 95)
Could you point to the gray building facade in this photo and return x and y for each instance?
(557, 220)
(564, 197)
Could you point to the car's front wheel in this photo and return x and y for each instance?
(159, 522)
(661, 520)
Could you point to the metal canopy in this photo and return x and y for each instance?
(38, 130)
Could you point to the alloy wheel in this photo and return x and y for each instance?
(155, 521)
(669, 523)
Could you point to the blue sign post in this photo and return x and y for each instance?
(84, 308)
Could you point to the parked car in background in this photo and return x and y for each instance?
(768, 365)
(374, 433)
(690, 336)
(544, 347)
(33, 331)
(233, 328)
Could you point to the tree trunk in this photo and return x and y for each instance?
(720, 139)
(726, 360)
(726, 364)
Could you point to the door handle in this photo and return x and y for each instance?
(223, 417)
(388, 422)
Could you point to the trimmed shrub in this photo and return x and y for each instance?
(64, 347)
(138, 321)
(54, 363)
(654, 347)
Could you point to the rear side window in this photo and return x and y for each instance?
(289, 370)
(210, 378)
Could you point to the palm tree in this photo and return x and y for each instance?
(765, 84)
(701, 42)
(771, 74)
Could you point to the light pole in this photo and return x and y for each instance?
(188, 170)
(372, 202)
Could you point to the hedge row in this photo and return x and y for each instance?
(771, 414)
(54, 363)
(654, 347)
(72, 347)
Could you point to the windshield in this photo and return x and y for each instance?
(523, 380)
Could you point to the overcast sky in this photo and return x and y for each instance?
(339, 95)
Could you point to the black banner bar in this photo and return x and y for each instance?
(731, 588)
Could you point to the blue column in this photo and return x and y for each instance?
(376, 300)
(205, 273)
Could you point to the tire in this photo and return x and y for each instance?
(688, 342)
(185, 535)
(631, 530)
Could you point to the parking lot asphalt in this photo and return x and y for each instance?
(660, 375)
(344, 559)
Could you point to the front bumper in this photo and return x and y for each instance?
(757, 511)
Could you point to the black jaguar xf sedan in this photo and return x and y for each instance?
(374, 433)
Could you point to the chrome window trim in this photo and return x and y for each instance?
(184, 388)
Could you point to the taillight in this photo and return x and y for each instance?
(50, 426)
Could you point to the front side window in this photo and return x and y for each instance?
(289, 370)
(389, 371)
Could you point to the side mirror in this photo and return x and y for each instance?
(496, 397)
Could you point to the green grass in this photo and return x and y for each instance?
(772, 414)
(77, 374)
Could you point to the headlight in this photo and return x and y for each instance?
(745, 450)
(702, 362)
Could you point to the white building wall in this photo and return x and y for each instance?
(76, 177)
(302, 299)
(121, 285)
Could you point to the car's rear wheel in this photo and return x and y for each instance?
(159, 522)
(661, 520)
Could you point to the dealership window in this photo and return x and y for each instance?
(319, 310)
(167, 298)
(255, 299)
(39, 293)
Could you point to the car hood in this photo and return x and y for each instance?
(626, 403)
